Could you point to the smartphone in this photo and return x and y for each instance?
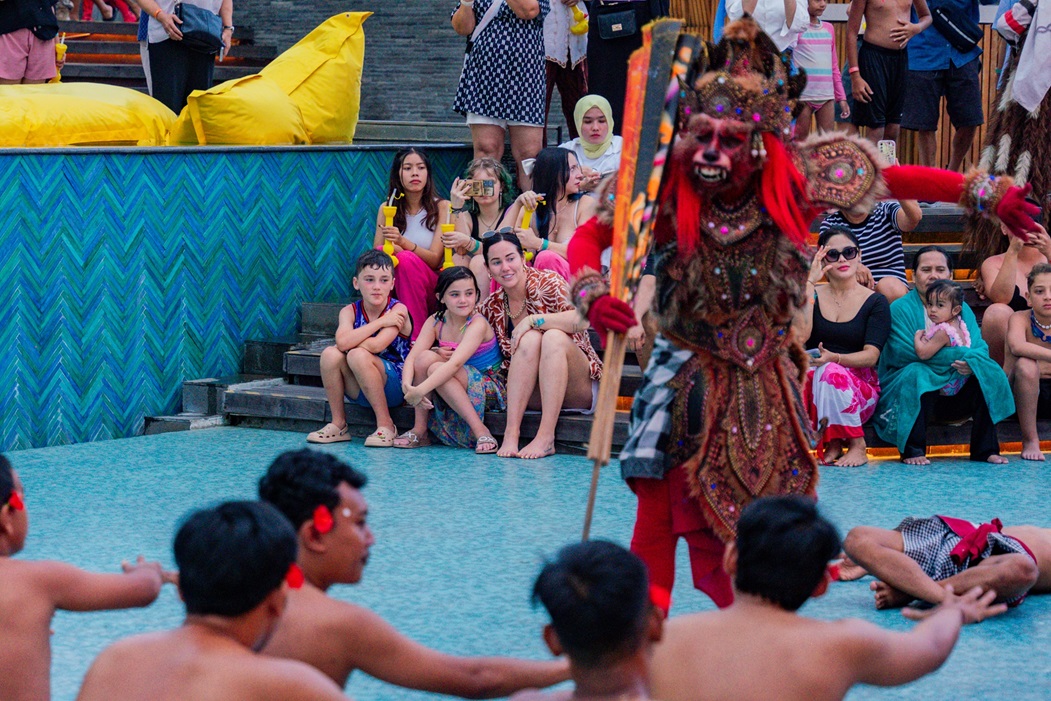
(481, 188)
(889, 150)
(814, 352)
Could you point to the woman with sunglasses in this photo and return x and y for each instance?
(844, 326)
(536, 326)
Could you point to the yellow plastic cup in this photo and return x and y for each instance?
(388, 215)
(447, 261)
(60, 54)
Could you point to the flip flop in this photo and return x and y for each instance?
(410, 440)
(329, 434)
(380, 438)
(486, 445)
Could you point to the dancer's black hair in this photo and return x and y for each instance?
(299, 481)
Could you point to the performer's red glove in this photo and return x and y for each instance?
(1017, 214)
(607, 313)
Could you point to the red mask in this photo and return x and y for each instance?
(717, 154)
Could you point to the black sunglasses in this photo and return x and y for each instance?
(504, 230)
(848, 253)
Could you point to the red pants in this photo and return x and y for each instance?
(667, 512)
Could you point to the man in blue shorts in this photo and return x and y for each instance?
(936, 69)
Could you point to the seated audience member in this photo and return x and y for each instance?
(1002, 279)
(454, 384)
(548, 358)
(322, 498)
(911, 386)
(476, 214)
(602, 619)
(879, 236)
(33, 591)
(1029, 359)
(597, 149)
(233, 561)
(414, 233)
(365, 364)
(560, 208)
(759, 648)
(844, 326)
(921, 557)
(944, 304)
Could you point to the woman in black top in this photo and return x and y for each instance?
(475, 215)
(844, 334)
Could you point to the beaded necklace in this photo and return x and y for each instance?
(1039, 329)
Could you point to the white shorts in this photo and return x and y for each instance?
(473, 118)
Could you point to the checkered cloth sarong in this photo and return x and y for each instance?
(643, 454)
(930, 542)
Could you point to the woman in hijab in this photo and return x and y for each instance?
(597, 149)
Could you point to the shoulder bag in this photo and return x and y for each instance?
(202, 30)
(962, 32)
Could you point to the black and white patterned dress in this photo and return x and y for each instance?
(503, 76)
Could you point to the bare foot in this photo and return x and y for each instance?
(509, 448)
(887, 597)
(1031, 451)
(833, 451)
(850, 571)
(918, 460)
(855, 455)
(539, 448)
(997, 459)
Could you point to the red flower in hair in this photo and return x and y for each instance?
(294, 577)
(323, 521)
(15, 500)
(661, 598)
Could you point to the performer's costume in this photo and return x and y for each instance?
(719, 419)
(944, 546)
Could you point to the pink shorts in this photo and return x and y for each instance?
(25, 57)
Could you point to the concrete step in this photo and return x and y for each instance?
(299, 408)
(302, 366)
(205, 395)
(180, 422)
(130, 74)
(85, 49)
(266, 356)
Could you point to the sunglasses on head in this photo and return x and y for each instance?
(848, 253)
(503, 230)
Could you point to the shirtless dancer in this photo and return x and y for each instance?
(879, 70)
(921, 556)
(602, 618)
(32, 591)
(321, 497)
(760, 648)
(233, 562)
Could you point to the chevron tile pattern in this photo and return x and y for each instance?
(125, 272)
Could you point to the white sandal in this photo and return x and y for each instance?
(329, 434)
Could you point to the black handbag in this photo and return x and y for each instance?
(962, 32)
(202, 30)
(615, 22)
(39, 16)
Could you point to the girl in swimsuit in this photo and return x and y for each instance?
(453, 385)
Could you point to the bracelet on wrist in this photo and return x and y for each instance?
(157, 14)
(852, 71)
(544, 245)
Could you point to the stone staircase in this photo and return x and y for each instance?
(107, 52)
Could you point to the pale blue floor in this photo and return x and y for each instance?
(460, 538)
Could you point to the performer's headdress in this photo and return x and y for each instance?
(749, 81)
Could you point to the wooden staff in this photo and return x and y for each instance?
(647, 132)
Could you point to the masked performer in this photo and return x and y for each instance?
(719, 419)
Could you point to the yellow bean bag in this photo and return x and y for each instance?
(322, 74)
(80, 114)
(252, 110)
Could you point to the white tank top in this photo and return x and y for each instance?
(416, 229)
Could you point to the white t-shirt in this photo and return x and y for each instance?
(770, 16)
(155, 29)
(416, 229)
